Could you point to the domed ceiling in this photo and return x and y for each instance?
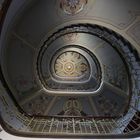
(72, 59)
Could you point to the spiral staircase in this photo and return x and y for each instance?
(70, 68)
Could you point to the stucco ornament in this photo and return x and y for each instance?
(72, 7)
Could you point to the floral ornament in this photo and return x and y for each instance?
(24, 84)
(72, 37)
(72, 107)
(72, 6)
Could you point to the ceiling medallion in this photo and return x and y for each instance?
(71, 64)
(72, 7)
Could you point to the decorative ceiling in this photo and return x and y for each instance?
(71, 61)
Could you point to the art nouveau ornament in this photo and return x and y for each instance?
(72, 6)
